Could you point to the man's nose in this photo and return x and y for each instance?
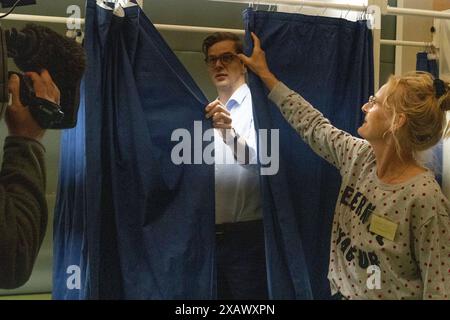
(219, 64)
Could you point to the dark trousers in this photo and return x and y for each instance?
(241, 262)
(338, 296)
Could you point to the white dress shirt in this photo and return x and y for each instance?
(237, 185)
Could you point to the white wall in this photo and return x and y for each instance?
(414, 29)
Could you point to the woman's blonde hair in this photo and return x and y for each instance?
(424, 104)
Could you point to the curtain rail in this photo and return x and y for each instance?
(385, 9)
(306, 3)
(183, 28)
(71, 21)
(390, 11)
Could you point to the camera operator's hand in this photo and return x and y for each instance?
(18, 118)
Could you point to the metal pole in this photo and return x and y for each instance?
(405, 43)
(306, 3)
(417, 12)
(390, 10)
(168, 27)
(36, 18)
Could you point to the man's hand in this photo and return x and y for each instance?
(221, 117)
(18, 117)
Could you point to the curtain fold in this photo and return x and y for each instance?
(70, 259)
(330, 62)
(140, 227)
(149, 234)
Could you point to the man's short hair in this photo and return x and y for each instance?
(222, 36)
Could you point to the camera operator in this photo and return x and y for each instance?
(23, 207)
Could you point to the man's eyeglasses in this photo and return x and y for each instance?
(225, 59)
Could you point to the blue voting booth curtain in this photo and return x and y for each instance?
(329, 61)
(70, 265)
(137, 225)
(424, 63)
(128, 222)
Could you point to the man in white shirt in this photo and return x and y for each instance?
(240, 250)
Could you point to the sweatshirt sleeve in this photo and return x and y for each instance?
(337, 147)
(432, 252)
(23, 209)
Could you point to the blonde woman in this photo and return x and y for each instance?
(391, 229)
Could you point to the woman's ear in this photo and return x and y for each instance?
(400, 121)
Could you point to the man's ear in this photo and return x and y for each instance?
(244, 67)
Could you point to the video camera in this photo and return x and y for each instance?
(35, 48)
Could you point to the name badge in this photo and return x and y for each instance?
(383, 227)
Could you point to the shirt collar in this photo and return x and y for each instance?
(238, 96)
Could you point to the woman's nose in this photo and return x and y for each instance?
(364, 107)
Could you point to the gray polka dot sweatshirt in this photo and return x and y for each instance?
(363, 264)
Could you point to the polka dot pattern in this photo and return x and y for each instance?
(417, 263)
